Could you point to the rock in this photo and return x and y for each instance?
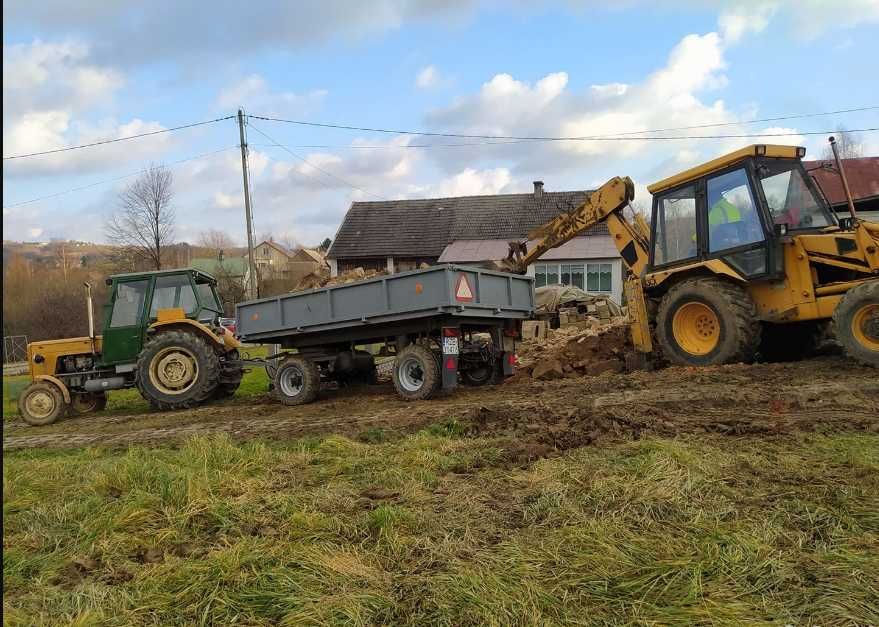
(606, 365)
(548, 369)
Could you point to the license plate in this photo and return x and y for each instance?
(450, 346)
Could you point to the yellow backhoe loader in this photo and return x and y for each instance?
(742, 256)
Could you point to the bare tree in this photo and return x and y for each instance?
(850, 145)
(289, 242)
(144, 222)
(215, 240)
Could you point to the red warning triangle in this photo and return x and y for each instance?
(462, 290)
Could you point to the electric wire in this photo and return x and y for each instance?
(118, 139)
(113, 180)
(309, 163)
(619, 136)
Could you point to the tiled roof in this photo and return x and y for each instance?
(462, 251)
(862, 175)
(424, 227)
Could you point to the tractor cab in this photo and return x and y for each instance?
(735, 209)
(139, 300)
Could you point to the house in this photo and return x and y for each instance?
(276, 262)
(398, 235)
(223, 268)
(863, 181)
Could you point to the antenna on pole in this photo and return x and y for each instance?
(252, 287)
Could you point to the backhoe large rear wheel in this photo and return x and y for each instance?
(856, 323)
(177, 370)
(707, 321)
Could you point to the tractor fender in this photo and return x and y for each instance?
(225, 342)
(57, 382)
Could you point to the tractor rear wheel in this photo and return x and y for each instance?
(707, 321)
(87, 402)
(856, 323)
(177, 370)
(41, 403)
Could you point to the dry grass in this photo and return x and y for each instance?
(436, 528)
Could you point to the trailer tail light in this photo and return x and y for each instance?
(513, 358)
(451, 363)
(511, 332)
(451, 332)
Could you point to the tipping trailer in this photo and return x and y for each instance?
(438, 323)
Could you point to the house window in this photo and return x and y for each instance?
(554, 274)
(598, 277)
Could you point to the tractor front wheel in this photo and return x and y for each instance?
(177, 370)
(41, 403)
(707, 321)
(856, 323)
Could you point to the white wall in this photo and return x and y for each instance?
(616, 273)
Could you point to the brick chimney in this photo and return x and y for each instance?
(538, 188)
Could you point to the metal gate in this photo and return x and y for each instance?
(14, 348)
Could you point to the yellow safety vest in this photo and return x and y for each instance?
(723, 212)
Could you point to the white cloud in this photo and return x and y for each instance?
(427, 77)
(743, 19)
(254, 94)
(469, 182)
(53, 93)
(34, 233)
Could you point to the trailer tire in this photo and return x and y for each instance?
(416, 373)
(160, 362)
(297, 381)
(856, 323)
(41, 403)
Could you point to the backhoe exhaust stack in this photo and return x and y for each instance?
(839, 168)
(91, 315)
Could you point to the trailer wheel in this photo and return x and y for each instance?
(297, 381)
(416, 373)
(856, 323)
(177, 370)
(41, 403)
(87, 402)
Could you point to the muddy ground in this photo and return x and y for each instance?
(538, 418)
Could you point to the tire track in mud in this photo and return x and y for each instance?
(763, 399)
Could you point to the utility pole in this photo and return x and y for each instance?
(253, 289)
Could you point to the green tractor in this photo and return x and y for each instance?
(161, 333)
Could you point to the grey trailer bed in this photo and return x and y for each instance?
(422, 308)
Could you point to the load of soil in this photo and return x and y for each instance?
(576, 351)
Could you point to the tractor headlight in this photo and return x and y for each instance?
(38, 359)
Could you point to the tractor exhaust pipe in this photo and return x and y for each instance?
(91, 313)
(839, 168)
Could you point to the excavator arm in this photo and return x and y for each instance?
(631, 239)
(605, 203)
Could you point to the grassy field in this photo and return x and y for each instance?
(440, 528)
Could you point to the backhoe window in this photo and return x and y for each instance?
(732, 214)
(675, 226)
(790, 200)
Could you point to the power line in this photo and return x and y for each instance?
(113, 180)
(307, 162)
(620, 136)
(118, 139)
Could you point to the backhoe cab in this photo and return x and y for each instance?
(160, 333)
(747, 257)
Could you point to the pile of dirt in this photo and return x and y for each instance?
(589, 349)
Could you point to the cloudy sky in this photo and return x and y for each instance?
(80, 72)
